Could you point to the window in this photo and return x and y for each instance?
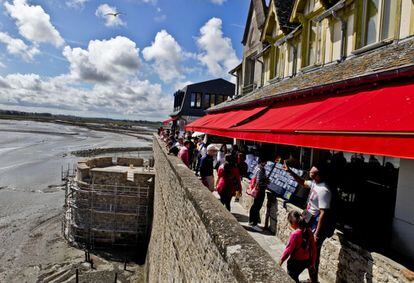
(212, 100)
(249, 72)
(206, 101)
(378, 20)
(220, 99)
(280, 62)
(195, 101)
(313, 38)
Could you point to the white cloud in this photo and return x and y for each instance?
(217, 52)
(76, 3)
(110, 20)
(104, 60)
(33, 23)
(219, 2)
(181, 85)
(131, 97)
(149, 1)
(160, 18)
(17, 46)
(167, 55)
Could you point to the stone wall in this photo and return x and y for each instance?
(194, 239)
(126, 161)
(341, 260)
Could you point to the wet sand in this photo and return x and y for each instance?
(31, 199)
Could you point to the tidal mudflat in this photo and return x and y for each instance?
(31, 195)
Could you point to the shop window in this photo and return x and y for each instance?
(196, 99)
(379, 17)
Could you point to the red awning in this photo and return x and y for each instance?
(215, 123)
(166, 122)
(379, 122)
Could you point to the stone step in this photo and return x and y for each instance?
(56, 275)
(64, 276)
(52, 270)
(71, 279)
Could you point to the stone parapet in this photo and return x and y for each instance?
(127, 161)
(194, 238)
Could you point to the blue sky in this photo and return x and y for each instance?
(69, 56)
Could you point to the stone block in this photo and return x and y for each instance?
(127, 161)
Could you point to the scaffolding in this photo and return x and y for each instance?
(110, 214)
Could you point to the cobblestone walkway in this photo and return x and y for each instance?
(270, 243)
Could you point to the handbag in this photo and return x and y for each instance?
(253, 189)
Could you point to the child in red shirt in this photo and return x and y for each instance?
(301, 249)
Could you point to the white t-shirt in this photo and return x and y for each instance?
(221, 157)
(319, 197)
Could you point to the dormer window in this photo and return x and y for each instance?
(313, 43)
(249, 71)
(378, 20)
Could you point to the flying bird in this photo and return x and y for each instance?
(115, 14)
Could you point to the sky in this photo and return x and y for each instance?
(74, 57)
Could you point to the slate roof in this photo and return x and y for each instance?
(283, 12)
(393, 56)
(328, 3)
(261, 10)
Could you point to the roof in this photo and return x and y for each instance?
(390, 57)
(283, 12)
(219, 80)
(232, 71)
(215, 86)
(328, 3)
(259, 6)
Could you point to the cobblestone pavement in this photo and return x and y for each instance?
(270, 243)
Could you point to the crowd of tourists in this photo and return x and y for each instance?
(208, 161)
(310, 228)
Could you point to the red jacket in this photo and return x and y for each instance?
(228, 184)
(295, 250)
(183, 155)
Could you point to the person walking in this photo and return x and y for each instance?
(301, 248)
(202, 152)
(228, 181)
(318, 208)
(206, 167)
(193, 160)
(183, 154)
(261, 184)
(221, 154)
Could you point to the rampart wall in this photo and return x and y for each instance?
(194, 239)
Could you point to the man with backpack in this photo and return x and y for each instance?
(318, 209)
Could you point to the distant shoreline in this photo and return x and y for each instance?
(143, 134)
(39, 132)
(99, 151)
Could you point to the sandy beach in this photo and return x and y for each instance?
(31, 196)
